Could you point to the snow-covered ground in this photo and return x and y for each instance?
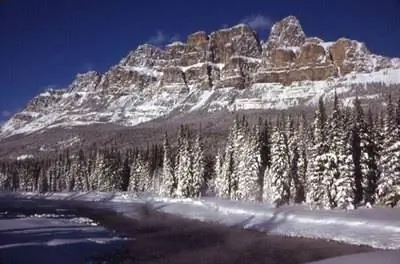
(52, 237)
(376, 227)
(380, 257)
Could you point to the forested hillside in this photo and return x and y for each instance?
(346, 157)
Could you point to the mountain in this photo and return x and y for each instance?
(229, 69)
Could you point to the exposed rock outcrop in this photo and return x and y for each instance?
(151, 81)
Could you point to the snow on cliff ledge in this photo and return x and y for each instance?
(132, 109)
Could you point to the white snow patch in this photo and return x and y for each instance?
(326, 44)
(291, 48)
(144, 71)
(69, 142)
(196, 65)
(25, 156)
(249, 59)
(205, 96)
(379, 257)
(176, 43)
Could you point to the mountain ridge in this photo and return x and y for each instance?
(228, 69)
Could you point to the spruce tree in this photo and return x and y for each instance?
(98, 173)
(78, 170)
(239, 132)
(319, 160)
(303, 149)
(359, 143)
(168, 184)
(296, 184)
(369, 161)
(217, 180)
(345, 185)
(277, 179)
(133, 185)
(388, 189)
(142, 171)
(125, 173)
(265, 149)
(223, 182)
(338, 180)
(249, 185)
(184, 170)
(198, 162)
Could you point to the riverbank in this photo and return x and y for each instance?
(163, 238)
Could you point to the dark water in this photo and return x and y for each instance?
(44, 232)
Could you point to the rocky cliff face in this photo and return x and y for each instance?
(227, 69)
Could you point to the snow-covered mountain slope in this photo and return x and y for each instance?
(229, 69)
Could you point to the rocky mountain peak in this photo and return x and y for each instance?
(220, 70)
(85, 82)
(286, 33)
(145, 55)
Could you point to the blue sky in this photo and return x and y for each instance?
(44, 43)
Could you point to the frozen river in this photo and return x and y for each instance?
(44, 233)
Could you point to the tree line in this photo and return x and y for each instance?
(344, 157)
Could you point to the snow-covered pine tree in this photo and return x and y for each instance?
(108, 171)
(104, 178)
(198, 162)
(117, 170)
(359, 144)
(179, 141)
(318, 162)
(10, 181)
(364, 155)
(69, 178)
(141, 169)
(303, 146)
(22, 176)
(168, 184)
(345, 184)
(78, 170)
(296, 184)
(4, 178)
(265, 148)
(249, 185)
(370, 161)
(98, 171)
(336, 155)
(276, 179)
(33, 175)
(43, 185)
(125, 172)
(147, 176)
(156, 168)
(240, 131)
(217, 179)
(59, 183)
(90, 160)
(388, 189)
(51, 175)
(184, 169)
(223, 177)
(133, 185)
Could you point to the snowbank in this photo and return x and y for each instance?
(376, 227)
(382, 257)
